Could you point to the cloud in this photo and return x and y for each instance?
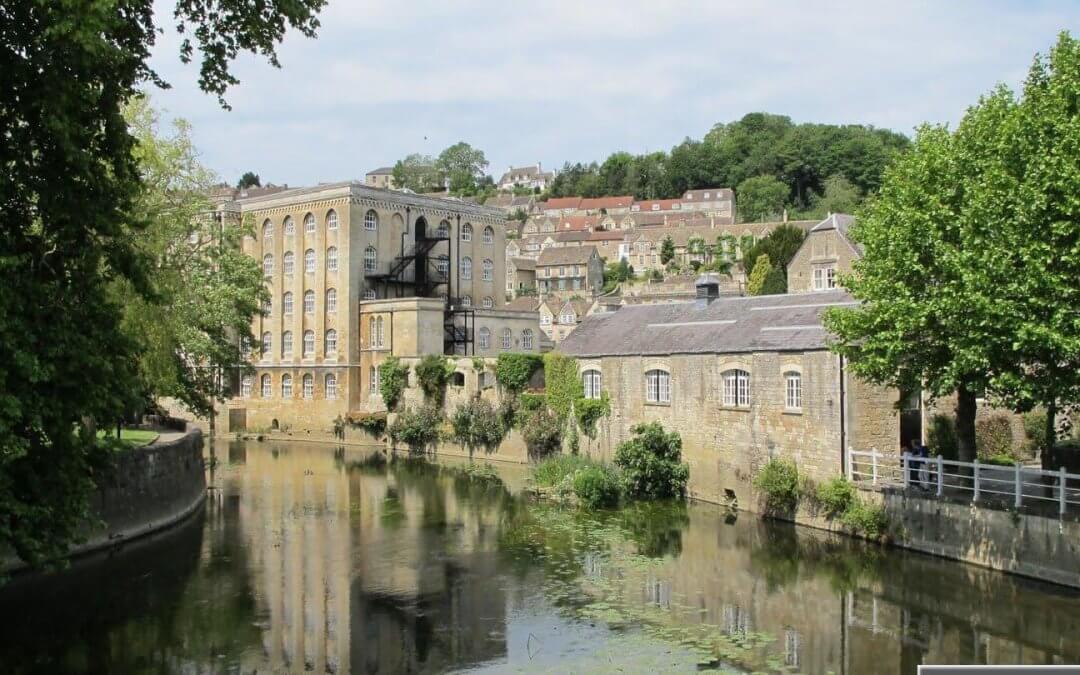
(575, 81)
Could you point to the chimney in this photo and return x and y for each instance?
(708, 289)
(539, 168)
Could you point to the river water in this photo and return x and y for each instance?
(311, 559)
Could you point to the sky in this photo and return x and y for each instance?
(575, 81)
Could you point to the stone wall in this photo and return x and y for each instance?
(824, 248)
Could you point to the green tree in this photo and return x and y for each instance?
(418, 173)
(667, 250)
(840, 196)
(463, 165)
(760, 198)
(780, 245)
(249, 179)
(755, 284)
(69, 187)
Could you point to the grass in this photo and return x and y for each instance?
(135, 438)
(552, 470)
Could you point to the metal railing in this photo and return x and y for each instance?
(1015, 485)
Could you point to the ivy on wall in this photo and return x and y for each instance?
(433, 372)
(514, 370)
(393, 375)
(562, 384)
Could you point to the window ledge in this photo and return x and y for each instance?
(658, 404)
(736, 408)
(793, 411)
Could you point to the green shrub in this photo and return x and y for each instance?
(418, 428)
(433, 374)
(514, 370)
(527, 404)
(552, 470)
(542, 433)
(373, 424)
(590, 410)
(999, 460)
(393, 375)
(597, 487)
(941, 436)
(865, 519)
(836, 496)
(1034, 432)
(993, 436)
(778, 480)
(477, 424)
(651, 463)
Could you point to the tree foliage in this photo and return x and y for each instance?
(651, 463)
(417, 172)
(761, 198)
(70, 186)
(477, 424)
(393, 376)
(433, 374)
(249, 179)
(513, 370)
(780, 245)
(667, 250)
(755, 284)
(463, 166)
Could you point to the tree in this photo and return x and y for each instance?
(463, 165)
(667, 250)
(69, 187)
(249, 179)
(755, 284)
(840, 196)
(417, 173)
(760, 198)
(780, 245)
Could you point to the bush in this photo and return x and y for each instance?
(477, 424)
(993, 436)
(433, 374)
(513, 370)
(590, 410)
(1034, 432)
(597, 487)
(942, 436)
(373, 424)
(551, 471)
(836, 496)
(651, 463)
(778, 480)
(865, 519)
(393, 375)
(542, 433)
(418, 428)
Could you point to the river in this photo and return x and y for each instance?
(308, 558)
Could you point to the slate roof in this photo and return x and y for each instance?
(524, 304)
(381, 171)
(726, 326)
(715, 195)
(839, 222)
(573, 235)
(619, 202)
(565, 255)
(524, 263)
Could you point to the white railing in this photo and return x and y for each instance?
(1015, 485)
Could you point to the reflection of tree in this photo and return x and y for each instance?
(656, 527)
(781, 554)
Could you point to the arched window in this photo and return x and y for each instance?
(309, 261)
(330, 343)
(245, 386)
(309, 343)
(331, 259)
(286, 303)
(442, 264)
(736, 388)
(526, 339)
(331, 219)
(286, 343)
(309, 302)
(267, 344)
(506, 338)
(309, 386)
(266, 386)
(290, 226)
(457, 379)
(288, 262)
(489, 235)
(658, 386)
(371, 221)
(268, 265)
(268, 232)
(485, 338)
(268, 307)
(369, 294)
(331, 300)
(373, 382)
(466, 301)
(466, 268)
(489, 302)
(330, 386)
(793, 390)
(372, 335)
(286, 386)
(590, 383)
(488, 270)
(379, 331)
(443, 232)
(309, 224)
(466, 232)
(371, 259)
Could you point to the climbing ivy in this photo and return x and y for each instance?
(393, 375)
(562, 384)
(589, 411)
(433, 373)
(513, 370)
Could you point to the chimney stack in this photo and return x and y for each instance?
(708, 289)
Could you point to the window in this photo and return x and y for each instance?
(330, 386)
(268, 307)
(489, 235)
(290, 226)
(658, 386)
(736, 388)
(371, 221)
(331, 259)
(309, 261)
(466, 232)
(568, 317)
(245, 386)
(466, 301)
(506, 338)
(267, 344)
(375, 331)
(286, 343)
(286, 303)
(309, 302)
(331, 219)
(369, 294)
(466, 268)
(485, 338)
(371, 259)
(268, 232)
(286, 386)
(309, 386)
(330, 343)
(331, 300)
(245, 348)
(309, 343)
(309, 224)
(379, 331)
(545, 319)
(824, 278)
(488, 270)
(373, 381)
(442, 265)
(268, 265)
(266, 386)
(793, 391)
(443, 232)
(288, 262)
(590, 382)
(489, 302)
(526, 339)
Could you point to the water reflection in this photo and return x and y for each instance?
(310, 559)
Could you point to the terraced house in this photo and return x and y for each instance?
(572, 269)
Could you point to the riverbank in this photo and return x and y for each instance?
(149, 488)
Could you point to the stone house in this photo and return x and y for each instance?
(826, 250)
(718, 203)
(520, 275)
(533, 177)
(575, 268)
(383, 177)
(571, 313)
